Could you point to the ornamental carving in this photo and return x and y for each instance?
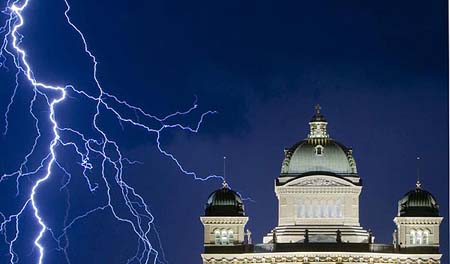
(319, 182)
(339, 258)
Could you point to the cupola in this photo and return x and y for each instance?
(418, 202)
(224, 202)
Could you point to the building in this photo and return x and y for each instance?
(318, 218)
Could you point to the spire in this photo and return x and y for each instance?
(318, 125)
(224, 183)
(418, 183)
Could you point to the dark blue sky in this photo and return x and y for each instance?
(378, 68)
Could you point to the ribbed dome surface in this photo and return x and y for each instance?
(332, 157)
(224, 202)
(418, 202)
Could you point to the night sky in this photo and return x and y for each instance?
(379, 69)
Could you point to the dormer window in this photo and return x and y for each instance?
(319, 150)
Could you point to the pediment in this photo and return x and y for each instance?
(318, 181)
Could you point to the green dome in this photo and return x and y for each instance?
(418, 202)
(319, 155)
(224, 202)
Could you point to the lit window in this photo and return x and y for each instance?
(419, 237)
(330, 208)
(425, 237)
(301, 209)
(316, 209)
(323, 210)
(224, 237)
(412, 237)
(309, 210)
(230, 236)
(217, 237)
(338, 209)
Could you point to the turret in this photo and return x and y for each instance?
(417, 219)
(224, 220)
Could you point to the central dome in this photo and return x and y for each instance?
(318, 153)
(311, 156)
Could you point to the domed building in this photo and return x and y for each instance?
(318, 221)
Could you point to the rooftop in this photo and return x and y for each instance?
(319, 247)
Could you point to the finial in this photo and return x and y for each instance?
(318, 108)
(418, 184)
(224, 183)
(318, 117)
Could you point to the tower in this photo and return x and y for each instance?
(417, 220)
(318, 190)
(224, 220)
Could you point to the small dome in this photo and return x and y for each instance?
(224, 202)
(418, 202)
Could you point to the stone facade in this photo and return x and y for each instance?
(215, 228)
(318, 218)
(415, 231)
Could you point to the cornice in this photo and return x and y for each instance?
(320, 257)
(224, 220)
(317, 189)
(418, 220)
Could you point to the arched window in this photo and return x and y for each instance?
(217, 237)
(309, 209)
(224, 237)
(323, 209)
(230, 236)
(334, 210)
(425, 238)
(419, 237)
(316, 209)
(338, 209)
(412, 237)
(319, 208)
(301, 209)
(330, 209)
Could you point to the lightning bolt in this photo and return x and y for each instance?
(86, 147)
